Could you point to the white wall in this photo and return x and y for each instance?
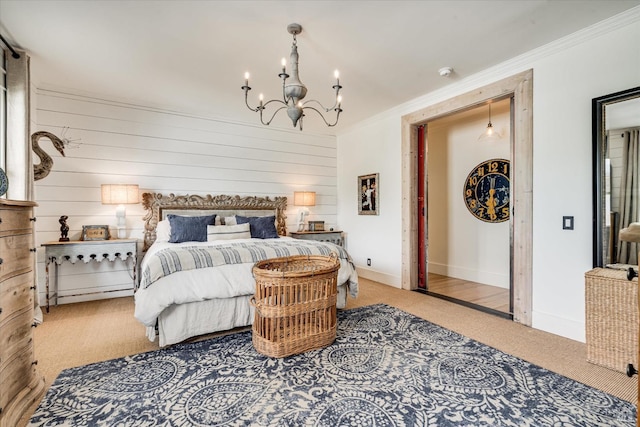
(460, 245)
(375, 150)
(168, 152)
(567, 74)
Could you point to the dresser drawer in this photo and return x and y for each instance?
(16, 372)
(16, 294)
(15, 255)
(16, 333)
(15, 220)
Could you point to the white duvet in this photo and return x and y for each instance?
(221, 282)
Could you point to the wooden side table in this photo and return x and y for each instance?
(320, 236)
(96, 250)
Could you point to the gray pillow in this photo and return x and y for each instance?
(189, 228)
(261, 227)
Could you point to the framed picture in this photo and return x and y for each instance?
(95, 232)
(368, 195)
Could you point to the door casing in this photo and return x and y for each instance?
(520, 88)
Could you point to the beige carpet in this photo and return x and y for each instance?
(82, 333)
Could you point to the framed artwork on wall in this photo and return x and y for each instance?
(368, 194)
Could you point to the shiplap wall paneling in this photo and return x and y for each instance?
(167, 152)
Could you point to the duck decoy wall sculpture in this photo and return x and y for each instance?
(42, 169)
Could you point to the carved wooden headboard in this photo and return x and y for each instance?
(158, 205)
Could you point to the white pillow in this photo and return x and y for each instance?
(163, 231)
(228, 232)
(230, 220)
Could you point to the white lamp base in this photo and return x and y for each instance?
(301, 214)
(121, 221)
(122, 233)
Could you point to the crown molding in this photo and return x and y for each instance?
(507, 68)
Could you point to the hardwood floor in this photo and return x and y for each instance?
(492, 297)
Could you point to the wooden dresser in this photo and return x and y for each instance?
(20, 383)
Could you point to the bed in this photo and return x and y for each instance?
(192, 285)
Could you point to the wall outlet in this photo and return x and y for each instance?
(369, 262)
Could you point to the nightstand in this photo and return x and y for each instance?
(86, 251)
(334, 237)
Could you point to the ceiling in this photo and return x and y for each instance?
(191, 56)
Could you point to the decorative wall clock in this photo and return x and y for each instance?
(486, 190)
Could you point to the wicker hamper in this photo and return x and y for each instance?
(295, 304)
(611, 305)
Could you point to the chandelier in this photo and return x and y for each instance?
(294, 91)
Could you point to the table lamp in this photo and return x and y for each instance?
(120, 194)
(631, 234)
(303, 198)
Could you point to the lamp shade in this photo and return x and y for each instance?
(120, 194)
(631, 233)
(304, 198)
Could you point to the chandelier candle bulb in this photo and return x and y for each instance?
(284, 66)
(246, 79)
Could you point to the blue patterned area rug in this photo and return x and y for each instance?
(386, 368)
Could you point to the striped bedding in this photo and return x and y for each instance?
(196, 271)
(173, 259)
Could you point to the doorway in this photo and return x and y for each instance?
(520, 88)
(466, 180)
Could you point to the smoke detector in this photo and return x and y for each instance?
(445, 71)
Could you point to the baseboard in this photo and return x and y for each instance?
(557, 325)
(84, 297)
(377, 276)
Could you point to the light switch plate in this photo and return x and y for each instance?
(567, 223)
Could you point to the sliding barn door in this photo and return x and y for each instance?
(422, 209)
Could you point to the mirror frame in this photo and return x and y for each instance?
(598, 106)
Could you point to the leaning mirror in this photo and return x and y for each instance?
(616, 175)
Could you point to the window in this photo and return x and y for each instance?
(15, 153)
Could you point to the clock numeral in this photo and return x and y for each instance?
(473, 180)
(481, 211)
(505, 211)
(472, 203)
(480, 171)
(469, 193)
(493, 167)
(505, 169)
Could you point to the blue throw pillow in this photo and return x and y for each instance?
(261, 227)
(189, 228)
